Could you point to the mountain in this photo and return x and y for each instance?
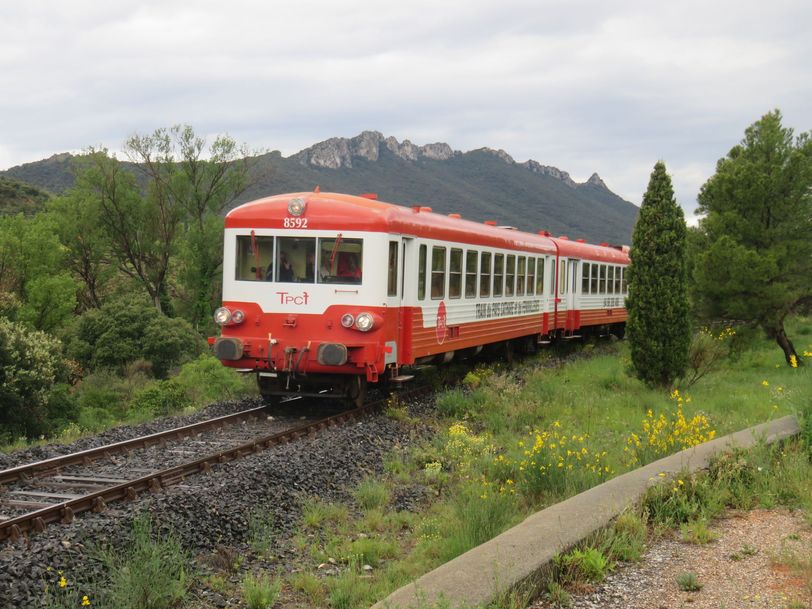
(17, 196)
(481, 184)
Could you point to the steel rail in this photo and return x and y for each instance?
(37, 521)
(54, 464)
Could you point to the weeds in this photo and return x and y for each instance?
(688, 582)
(260, 591)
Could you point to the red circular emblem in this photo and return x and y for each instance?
(442, 324)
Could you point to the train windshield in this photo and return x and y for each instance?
(299, 259)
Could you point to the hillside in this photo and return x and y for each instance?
(17, 196)
(480, 184)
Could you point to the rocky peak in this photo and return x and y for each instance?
(553, 172)
(500, 154)
(339, 152)
(597, 181)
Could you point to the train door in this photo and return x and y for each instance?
(560, 289)
(572, 288)
(394, 295)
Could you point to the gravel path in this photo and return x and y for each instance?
(742, 569)
(206, 512)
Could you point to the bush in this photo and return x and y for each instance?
(206, 380)
(160, 398)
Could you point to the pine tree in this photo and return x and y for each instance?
(658, 327)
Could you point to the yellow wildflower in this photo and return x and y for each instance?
(85, 601)
(765, 383)
(63, 582)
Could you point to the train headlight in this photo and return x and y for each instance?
(222, 316)
(237, 317)
(347, 320)
(365, 322)
(296, 206)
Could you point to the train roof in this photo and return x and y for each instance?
(336, 211)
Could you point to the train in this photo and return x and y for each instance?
(325, 294)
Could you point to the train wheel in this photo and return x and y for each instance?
(355, 391)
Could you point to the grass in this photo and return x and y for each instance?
(688, 582)
(260, 591)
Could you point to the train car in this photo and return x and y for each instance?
(324, 293)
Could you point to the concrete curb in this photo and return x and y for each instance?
(479, 575)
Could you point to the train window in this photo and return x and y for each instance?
(254, 258)
(421, 274)
(521, 271)
(531, 275)
(593, 279)
(498, 274)
(340, 260)
(485, 275)
(471, 260)
(562, 277)
(455, 273)
(392, 278)
(585, 277)
(437, 273)
(623, 282)
(610, 279)
(510, 275)
(602, 287)
(617, 279)
(540, 276)
(296, 260)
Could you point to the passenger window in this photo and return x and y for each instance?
(624, 284)
(296, 260)
(531, 275)
(498, 274)
(585, 278)
(340, 260)
(510, 275)
(521, 270)
(603, 279)
(485, 275)
(421, 273)
(617, 279)
(593, 279)
(254, 258)
(392, 280)
(455, 273)
(437, 273)
(471, 260)
(540, 276)
(610, 281)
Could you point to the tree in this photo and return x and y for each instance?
(197, 190)
(658, 327)
(757, 268)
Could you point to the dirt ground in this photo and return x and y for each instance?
(748, 566)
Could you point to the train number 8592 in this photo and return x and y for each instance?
(294, 223)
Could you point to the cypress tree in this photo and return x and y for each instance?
(658, 326)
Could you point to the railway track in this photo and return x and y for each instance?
(55, 490)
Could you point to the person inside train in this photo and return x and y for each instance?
(349, 269)
(325, 269)
(285, 268)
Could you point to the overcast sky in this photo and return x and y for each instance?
(607, 87)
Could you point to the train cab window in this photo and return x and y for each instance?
(531, 275)
(521, 271)
(498, 274)
(421, 273)
(624, 286)
(593, 279)
(602, 286)
(585, 277)
(510, 275)
(540, 276)
(392, 278)
(455, 273)
(610, 280)
(296, 260)
(485, 275)
(254, 258)
(617, 279)
(437, 273)
(340, 260)
(471, 270)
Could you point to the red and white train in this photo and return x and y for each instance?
(333, 291)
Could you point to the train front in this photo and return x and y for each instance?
(304, 295)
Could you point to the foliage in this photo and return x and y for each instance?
(206, 380)
(150, 573)
(658, 327)
(663, 435)
(160, 398)
(688, 582)
(19, 197)
(706, 352)
(757, 267)
(260, 591)
(371, 494)
(128, 330)
(32, 371)
(587, 565)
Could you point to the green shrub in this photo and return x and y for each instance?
(160, 398)
(206, 380)
(588, 565)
